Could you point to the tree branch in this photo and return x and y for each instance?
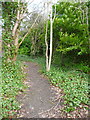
(54, 13)
(29, 30)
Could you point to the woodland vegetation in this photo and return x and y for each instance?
(59, 41)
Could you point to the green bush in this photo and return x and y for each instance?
(24, 51)
(83, 67)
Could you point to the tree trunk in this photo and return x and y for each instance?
(49, 52)
(33, 46)
(51, 40)
(15, 34)
(46, 42)
(15, 55)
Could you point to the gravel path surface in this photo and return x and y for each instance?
(38, 97)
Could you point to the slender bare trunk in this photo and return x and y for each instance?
(46, 42)
(51, 39)
(49, 51)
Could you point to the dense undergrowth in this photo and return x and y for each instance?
(12, 83)
(71, 78)
(74, 85)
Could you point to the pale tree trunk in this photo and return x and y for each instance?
(15, 33)
(46, 42)
(49, 51)
(51, 40)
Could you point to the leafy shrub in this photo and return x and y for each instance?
(24, 51)
(83, 67)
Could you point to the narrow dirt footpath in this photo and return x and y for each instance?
(39, 95)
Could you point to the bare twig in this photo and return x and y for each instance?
(50, 108)
(54, 13)
(29, 30)
(57, 98)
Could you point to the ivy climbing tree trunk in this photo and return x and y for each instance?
(13, 14)
(16, 29)
(15, 33)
